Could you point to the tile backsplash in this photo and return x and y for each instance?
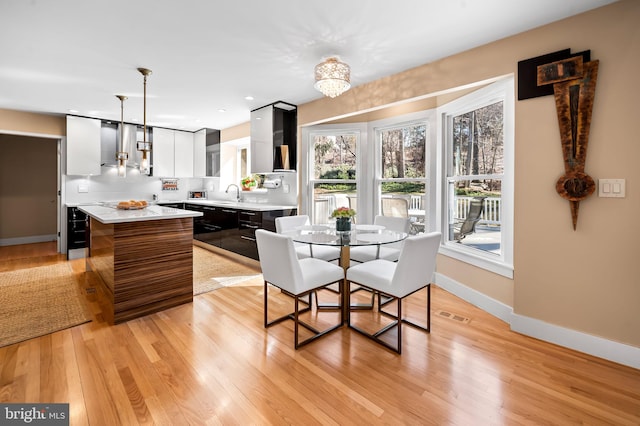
(109, 187)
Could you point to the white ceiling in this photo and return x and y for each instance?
(73, 56)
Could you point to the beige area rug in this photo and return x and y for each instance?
(212, 271)
(38, 301)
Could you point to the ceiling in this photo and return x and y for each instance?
(74, 56)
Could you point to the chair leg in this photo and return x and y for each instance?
(295, 316)
(278, 320)
(398, 321)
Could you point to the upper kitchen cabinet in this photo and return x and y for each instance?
(83, 146)
(163, 152)
(213, 153)
(273, 137)
(183, 151)
(172, 153)
(206, 153)
(199, 153)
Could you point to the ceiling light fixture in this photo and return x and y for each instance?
(144, 146)
(122, 156)
(333, 77)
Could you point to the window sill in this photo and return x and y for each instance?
(488, 262)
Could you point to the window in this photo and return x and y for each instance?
(477, 157)
(333, 172)
(401, 172)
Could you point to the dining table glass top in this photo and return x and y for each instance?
(360, 235)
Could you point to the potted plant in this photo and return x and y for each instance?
(343, 217)
(248, 183)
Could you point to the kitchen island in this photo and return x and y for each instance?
(144, 257)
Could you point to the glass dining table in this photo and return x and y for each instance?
(360, 235)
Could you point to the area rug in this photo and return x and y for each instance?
(38, 301)
(212, 271)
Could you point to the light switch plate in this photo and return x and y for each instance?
(614, 188)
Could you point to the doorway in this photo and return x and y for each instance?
(29, 188)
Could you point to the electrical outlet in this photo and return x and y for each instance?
(83, 188)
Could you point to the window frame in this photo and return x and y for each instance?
(426, 117)
(502, 90)
(307, 179)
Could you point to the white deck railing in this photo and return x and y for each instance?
(324, 205)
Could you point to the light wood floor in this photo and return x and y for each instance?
(212, 362)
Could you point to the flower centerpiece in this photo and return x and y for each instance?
(343, 217)
(248, 183)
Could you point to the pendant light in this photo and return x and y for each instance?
(122, 156)
(144, 146)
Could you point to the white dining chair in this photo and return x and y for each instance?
(285, 224)
(298, 277)
(413, 272)
(391, 251)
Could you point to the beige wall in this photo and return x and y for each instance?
(28, 122)
(585, 280)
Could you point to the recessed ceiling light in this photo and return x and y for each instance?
(74, 111)
(249, 98)
(222, 110)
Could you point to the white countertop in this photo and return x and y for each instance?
(106, 214)
(233, 204)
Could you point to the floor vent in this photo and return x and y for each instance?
(455, 317)
(90, 290)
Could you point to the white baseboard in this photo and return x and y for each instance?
(27, 240)
(482, 301)
(593, 345)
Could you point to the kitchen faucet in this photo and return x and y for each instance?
(237, 191)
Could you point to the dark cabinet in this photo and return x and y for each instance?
(77, 229)
(174, 205)
(233, 229)
(212, 152)
(204, 227)
(227, 220)
(248, 222)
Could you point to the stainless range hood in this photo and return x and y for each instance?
(110, 143)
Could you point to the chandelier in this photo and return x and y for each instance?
(144, 146)
(333, 77)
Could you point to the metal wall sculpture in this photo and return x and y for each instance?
(574, 86)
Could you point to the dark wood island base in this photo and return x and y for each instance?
(146, 266)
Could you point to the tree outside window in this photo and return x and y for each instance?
(402, 183)
(476, 171)
(334, 174)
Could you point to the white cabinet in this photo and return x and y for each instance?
(262, 140)
(163, 152)
(172, 153)
(199, 153)
(183, 154)
(83, 146)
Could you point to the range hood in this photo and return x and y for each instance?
(110, 144)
